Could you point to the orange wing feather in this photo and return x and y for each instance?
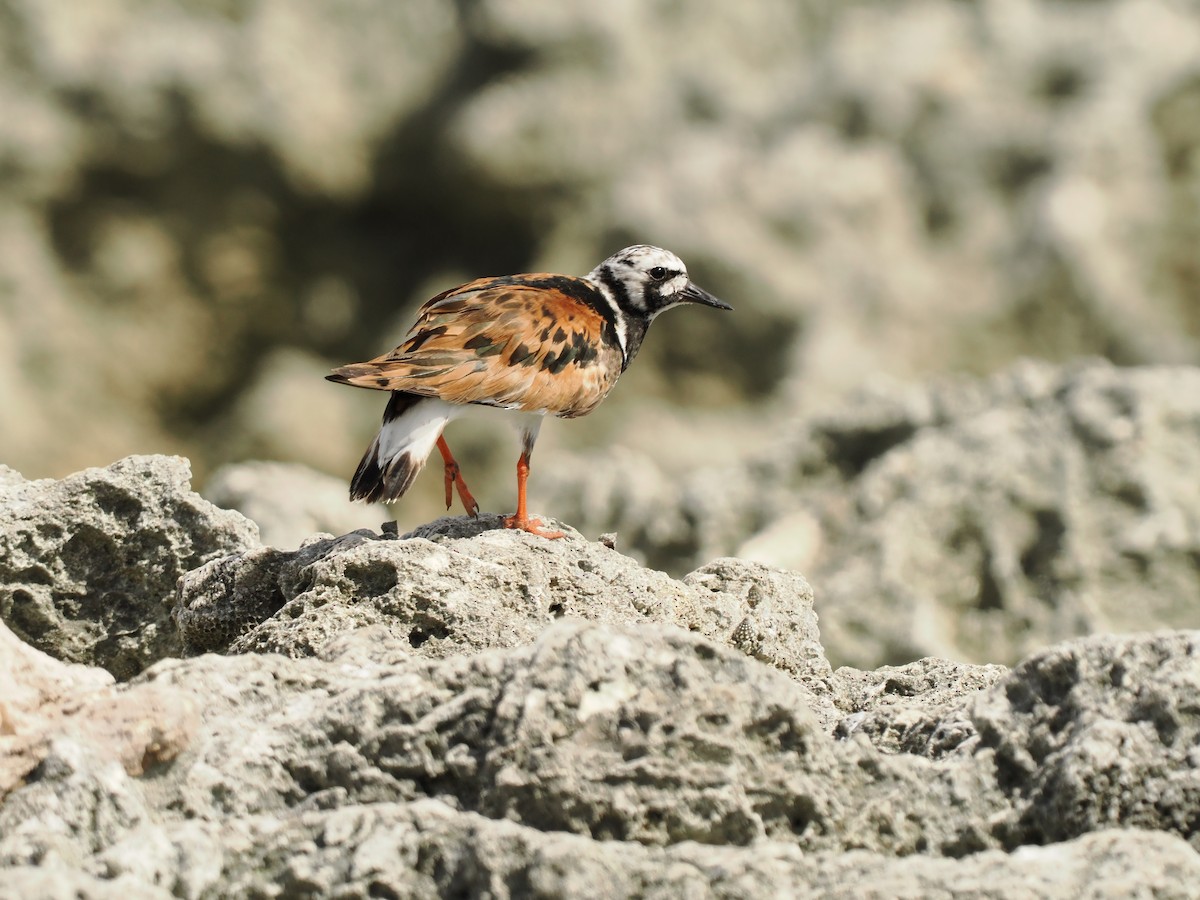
(519, 343)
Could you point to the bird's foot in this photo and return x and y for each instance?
(454, 480)
(533, 526)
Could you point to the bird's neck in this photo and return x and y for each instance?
(636, 327)
(627, 321)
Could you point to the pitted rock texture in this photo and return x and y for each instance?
(968, 519)
(1092, 733)
(88, 564)
(463, 585)
(609, 757)
(36, 691)
(427, 850)
(470, 709)
(922, 708)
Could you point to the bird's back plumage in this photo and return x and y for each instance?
(528, 342)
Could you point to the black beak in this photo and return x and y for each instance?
(695, 294)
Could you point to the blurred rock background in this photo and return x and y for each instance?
(206, 205)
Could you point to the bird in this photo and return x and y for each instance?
(530, 345)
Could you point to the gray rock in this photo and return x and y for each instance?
(971, 519)
(468, 709)
(1098, 733)
(601, 758)
(653, 735)
(464, 585)
(1019, 511)
(58, 883)
(88, 564)
(428, 850)
(922, 708)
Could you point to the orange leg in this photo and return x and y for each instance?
(520, 519)
(454, 479)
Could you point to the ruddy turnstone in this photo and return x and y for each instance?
(530, 344)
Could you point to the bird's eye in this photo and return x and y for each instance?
(658, 273)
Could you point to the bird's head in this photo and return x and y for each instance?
(646, 280)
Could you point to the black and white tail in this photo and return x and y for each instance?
(411, 426)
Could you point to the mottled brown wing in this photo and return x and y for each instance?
(521, 342)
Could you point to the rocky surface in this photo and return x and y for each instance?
(923, 708)
(969, 519)
(369, 764)
(460, 584)
(203, 207)
(472, 710)
(88, 564)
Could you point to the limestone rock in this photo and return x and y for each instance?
(922, 708)
(998, 516)
(614, 758)
(464, 585)
(472, 709)
(35, 692)
(88, 564)
(1095, 733)
(651, 735)
(971, 519)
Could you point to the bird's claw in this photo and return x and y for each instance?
(533, 526)
(454, 480)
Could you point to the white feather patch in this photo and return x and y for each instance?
(415, 432)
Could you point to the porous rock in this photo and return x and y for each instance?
(652, 735)
(970, 519)
(467, 708)
(1014, 512)
(466, 584)
(88, 564)
(427, 849)
(1097, 733)
(921, 708)
(610, 758)
(35, 690)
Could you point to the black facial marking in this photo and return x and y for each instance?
(619, 291)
